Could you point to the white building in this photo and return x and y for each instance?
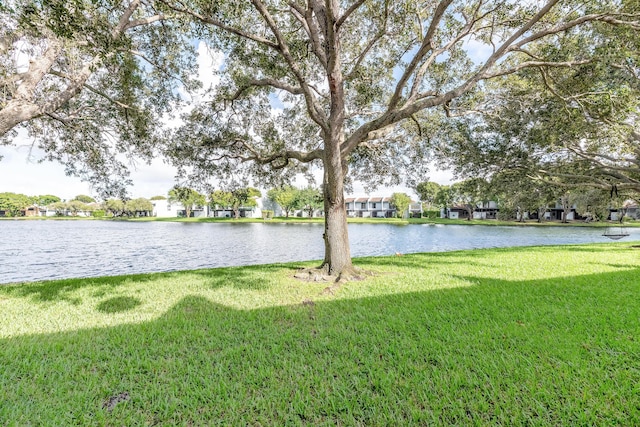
(166, 209)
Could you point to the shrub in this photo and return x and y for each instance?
(506, 214)
(98, 213)
(431, 214)
(267, 214)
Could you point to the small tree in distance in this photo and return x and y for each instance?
(427, 192)
(84, 198)
(138, 207)
(287, 197)
(188, 197)
(444, 197)
(115, 207)
(13, 203)
(310, 199)
(235, 199)
(401, 201)
(46, 199)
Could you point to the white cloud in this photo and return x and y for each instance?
(154, 179)
(209, 63)
(478, 51)
(21, 173)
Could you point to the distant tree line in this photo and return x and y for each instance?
(15, 204)
(289, 199)
(519, 196)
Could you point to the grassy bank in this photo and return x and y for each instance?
(397, 221)
(522, 336)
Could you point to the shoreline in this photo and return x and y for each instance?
(389, 221)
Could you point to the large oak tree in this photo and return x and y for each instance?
(362, 88)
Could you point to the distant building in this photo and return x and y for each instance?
(369, 207)
(166, 209)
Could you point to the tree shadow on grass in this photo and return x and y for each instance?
(242, 278)
(62, 290)
(118, 304)
(469, 257)
(254, 277)
(555, 351)
(421, 260)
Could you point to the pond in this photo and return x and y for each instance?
(42, 250)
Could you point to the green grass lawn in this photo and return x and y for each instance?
(520, 336)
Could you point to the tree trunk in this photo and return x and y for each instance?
(337, 254)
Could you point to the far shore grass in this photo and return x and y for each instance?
(319, 220)
(536, 336)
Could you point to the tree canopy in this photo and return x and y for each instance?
(570, 126)
(138, 207)
(84, 198)
(310, 200)
(427, 191)
(45, 199)
(88, 81)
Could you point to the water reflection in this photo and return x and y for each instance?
(38, 250)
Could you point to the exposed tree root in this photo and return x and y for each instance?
(314, 275)
(321, 274)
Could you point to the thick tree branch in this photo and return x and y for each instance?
(305, 17)
(622, 182)
(266, 82)
(565, 26)
(283, 156)
(315, 111)
(355, 6)
(427, 45)
(38, 68)
(531, 64)
(217, 23)
(145, 21)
